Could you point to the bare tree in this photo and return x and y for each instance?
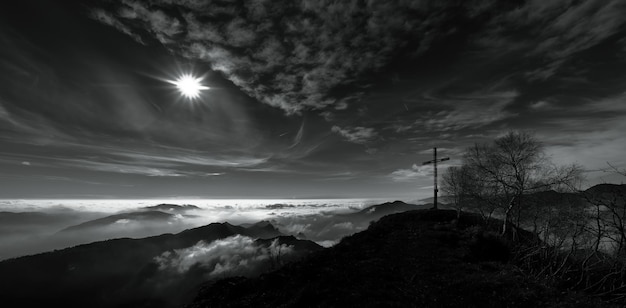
(455, 185)
(509, 168)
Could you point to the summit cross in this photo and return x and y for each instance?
(434, 162)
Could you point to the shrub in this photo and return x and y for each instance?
(488, 247)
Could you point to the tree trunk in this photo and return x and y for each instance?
(506, 215)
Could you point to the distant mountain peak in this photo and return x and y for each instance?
(154, 216)
(171, 207)
(390, 207)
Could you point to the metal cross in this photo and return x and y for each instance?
(434, 162)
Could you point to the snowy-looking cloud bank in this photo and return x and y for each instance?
(235, 255)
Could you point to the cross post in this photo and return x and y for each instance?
(434, 162)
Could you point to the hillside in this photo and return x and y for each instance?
(417, 259)
(171, 207)
(387, 208)
(148, 271)
(146, 216)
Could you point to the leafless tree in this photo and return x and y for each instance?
(455, 182)
(511, 167)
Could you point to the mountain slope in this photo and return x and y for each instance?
(166, 207)
(413, 259)
(143, 216)
(109, 273)
(389, 208)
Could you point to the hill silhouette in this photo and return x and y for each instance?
(387, 208)
(171, 207)
(137, 224)
(23, 233)
(330, 227)
(143, 216)
(419, 258)
(607, 188)
(11, 222)
(606, 193)
(127, 271)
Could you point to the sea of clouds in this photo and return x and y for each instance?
(34, 226)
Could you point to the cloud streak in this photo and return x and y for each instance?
(418, 172)
(359, 135)
(448, 113)
(470, 112)
(109, 19)
(557, 30)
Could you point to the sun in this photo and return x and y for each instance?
(189, 85)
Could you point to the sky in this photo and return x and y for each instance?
(307, 98)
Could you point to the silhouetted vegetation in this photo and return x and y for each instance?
(581, 238)
(496, 177)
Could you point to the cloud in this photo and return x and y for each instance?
(294, 228)
(318, 227)
(441, 150)
(541, 105)
(579, 27)
(360, 135)
(235, 255)
(190, 158)
(613, 105)
(122, 167)
(91, 112)
(557, 30)
(162, 162)
(594, 134)
(470, 111)
(162, 26)
(29, 126)
(408, 175)
(291, 55)
(298, 138)
(417, 172)
(592, 149)
(154, 165)
(109, 19)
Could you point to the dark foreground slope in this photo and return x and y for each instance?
(413, 259)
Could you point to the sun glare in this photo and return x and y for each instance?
(189, 86)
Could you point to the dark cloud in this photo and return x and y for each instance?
(554, 31)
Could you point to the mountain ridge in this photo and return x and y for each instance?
(104, 273)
